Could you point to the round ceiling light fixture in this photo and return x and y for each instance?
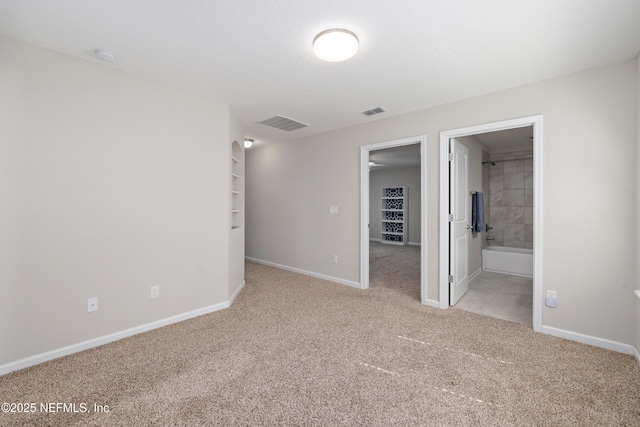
(335, 45)
(248, 142)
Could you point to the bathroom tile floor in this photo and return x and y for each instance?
(500, 295)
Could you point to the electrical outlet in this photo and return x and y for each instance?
(155, 292)
(92, 304)
(552, 299)
(335, 259)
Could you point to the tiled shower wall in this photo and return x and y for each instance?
(511, 199)
(486, 169)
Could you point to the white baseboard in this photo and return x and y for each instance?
(636, 355)
(306, 273)
(432, 303)
(475, 274)
(95, 342)
(590, 340)
(380, 241)
(236, 293)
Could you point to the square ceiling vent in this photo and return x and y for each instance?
(374, 111)
(283, 123)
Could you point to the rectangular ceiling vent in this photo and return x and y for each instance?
(283, 123)
(374, 111)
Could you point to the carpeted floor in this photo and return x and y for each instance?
(295, 350)
(396, 268)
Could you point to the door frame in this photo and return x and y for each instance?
(445, 136)
(364, 209)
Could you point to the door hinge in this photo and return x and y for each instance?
(450, 217)
(450, 279)
(450, 157)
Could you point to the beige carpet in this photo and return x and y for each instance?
(295, 350)
(395, 268)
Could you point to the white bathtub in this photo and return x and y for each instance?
(500, 259)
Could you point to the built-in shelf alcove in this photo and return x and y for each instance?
(237, 171)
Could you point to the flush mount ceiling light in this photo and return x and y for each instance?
(335, 45)
(104, 55)
(248, 142)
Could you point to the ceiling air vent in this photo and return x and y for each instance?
(283, 123)
(374, 111)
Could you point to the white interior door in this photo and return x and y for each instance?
(459, 200)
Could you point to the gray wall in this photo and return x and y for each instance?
(289, 191)
(407, 177)
(109, 184)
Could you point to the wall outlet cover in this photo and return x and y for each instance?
(551, 299)
(92, 304)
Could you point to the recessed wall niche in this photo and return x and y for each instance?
(237, 176)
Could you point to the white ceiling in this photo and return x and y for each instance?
(505, 139)
(397, 157)
(256, 54)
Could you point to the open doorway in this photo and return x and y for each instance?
(517, 222)
(400, 152)
(500, 250)
(394, 220)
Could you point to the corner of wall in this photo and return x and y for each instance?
(145, 203)
(235, 254)
(637, 319)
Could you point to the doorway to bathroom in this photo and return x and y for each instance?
(501, 165)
